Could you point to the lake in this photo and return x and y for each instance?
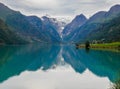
(43, 66)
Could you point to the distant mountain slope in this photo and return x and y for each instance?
(81, 34)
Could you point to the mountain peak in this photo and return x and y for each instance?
(78, 21)
(114, 11)
(117, 6)
(98, 14)
(2, 6)
(80, 17)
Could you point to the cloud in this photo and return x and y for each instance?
(60, 7)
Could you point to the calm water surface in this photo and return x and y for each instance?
(58, 67)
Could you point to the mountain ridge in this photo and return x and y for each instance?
(27, 27)
(93, 23)
(75, 23)
(50, 30)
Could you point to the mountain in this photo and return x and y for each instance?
(104, 16)
(93, 25)
(35, 21)
(62, 21)
(51, 30)
(9, 37)
(5, 11)
(51, 26)
(56, 23)
(18, 23)
(77, 22)
(107, 32)
(30, 28)
(114, 10)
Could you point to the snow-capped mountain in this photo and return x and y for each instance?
(57, 23)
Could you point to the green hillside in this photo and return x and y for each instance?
(107, 32)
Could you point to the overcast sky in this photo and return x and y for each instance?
(60, 7)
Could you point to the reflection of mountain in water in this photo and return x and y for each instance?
(101, 63)
(16, 59)
(72, 57)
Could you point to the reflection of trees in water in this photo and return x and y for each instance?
(116, 85)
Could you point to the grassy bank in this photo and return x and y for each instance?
(103, 46)
(114, 45)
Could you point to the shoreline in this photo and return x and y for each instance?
(106, 46)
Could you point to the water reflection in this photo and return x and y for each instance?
(101, 63)
(16, 59)
(115, 85)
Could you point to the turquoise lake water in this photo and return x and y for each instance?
(43, 66)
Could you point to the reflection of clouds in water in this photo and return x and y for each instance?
(60, 78)
(115, 85)
(69, 67)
